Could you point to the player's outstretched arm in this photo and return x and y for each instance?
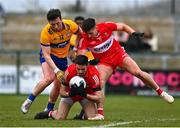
(125, 27)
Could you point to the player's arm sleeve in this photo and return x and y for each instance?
(111, 25)
(96, 88)
(125, 28)
(44, 38)
(73, 40)
(73, 26)
(96, 83)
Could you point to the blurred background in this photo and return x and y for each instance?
(158, 53)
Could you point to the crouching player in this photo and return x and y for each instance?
(72, 93)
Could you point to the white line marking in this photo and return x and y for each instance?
(133, 122)
(121, 123)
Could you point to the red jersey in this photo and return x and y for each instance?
(91, 77)
(104, 44)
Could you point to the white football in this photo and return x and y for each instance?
(77, 80)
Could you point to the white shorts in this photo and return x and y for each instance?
(69, 101)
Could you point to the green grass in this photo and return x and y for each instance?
(119, 111)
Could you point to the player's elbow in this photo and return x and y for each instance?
(120, 26)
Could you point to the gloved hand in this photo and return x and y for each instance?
(81, 91)
(59, 74)
(73, 91)
(93, 62)
(138, 34)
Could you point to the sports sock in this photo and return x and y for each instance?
(31, 97)
(50, 113)
(50, 106)
(159, 91)
(100, 111)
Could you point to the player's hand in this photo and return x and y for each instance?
(138, 34)
(59, 74)
(81, 91)
(93, 62)
(73, 91)
(73, 55)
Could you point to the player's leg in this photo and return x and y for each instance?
(46, 81)
(89, 108)
(63, 109)
(100, 110)
(130, 65)
(61, 63)
(59, 114)
(105, 72)
(53, 95)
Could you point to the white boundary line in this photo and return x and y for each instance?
(133, 122)
(121, 123)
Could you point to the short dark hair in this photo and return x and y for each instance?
(53, 14)
(81, 60)
(88, 24)
(79, 18)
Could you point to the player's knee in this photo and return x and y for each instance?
(138, 73)
(60, 117)
(49, 79)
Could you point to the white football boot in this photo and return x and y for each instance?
(97, 117)
(46, 109)
(168, 98)
(26, 105)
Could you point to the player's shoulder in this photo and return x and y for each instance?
(105, 23)
(93, 70)
(71, 68)
(84, 35)
(109, 22)
(101, 26)
(47, 29)
(68, 21)
(70, 71)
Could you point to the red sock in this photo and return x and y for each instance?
(50, 114)
(159, 91)
(100, 111)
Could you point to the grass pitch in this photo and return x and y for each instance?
(126, 111)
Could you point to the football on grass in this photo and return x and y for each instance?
(77, 81)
